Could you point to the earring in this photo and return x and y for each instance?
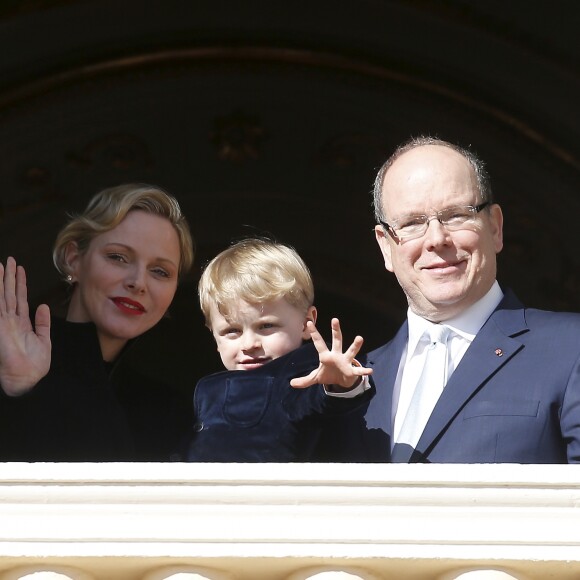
(69, 279)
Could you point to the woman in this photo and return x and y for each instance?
(122, 257)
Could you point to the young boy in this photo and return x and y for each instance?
(257, 298)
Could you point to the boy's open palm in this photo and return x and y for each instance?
(25, 351)
(336, 367)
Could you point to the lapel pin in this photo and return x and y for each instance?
(499, 352)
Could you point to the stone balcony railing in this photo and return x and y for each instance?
(288, 522)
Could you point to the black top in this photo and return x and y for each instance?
(88, 410)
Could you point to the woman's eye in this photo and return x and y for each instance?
(116, 257)
(161, 272)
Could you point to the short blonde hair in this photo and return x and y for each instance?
(108, 208)
(255, 270)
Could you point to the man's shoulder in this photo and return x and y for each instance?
(512, 303)
(538, 324)
(536, 317)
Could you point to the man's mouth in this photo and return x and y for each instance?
(442, 265)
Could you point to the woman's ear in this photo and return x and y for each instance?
(72, 257)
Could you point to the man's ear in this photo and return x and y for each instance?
(496, 217)
(311, 315)
(385, 245)
(72, 257)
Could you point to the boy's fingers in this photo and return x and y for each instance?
(355, 347)
(311, 327)
(316, 338)
(336, 335)
(303, 382)
(319, 343)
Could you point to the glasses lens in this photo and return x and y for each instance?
(411, 226)
(456, 217)
(453, 218)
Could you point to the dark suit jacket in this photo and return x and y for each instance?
(256, 416)
(514, 397)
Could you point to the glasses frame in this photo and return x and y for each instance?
(474, 209)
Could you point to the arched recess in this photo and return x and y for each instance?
(265, 139)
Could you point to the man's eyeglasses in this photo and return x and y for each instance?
(415, 226)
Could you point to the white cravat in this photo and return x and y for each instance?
(429, 387)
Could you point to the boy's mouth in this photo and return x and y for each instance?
(254, 362)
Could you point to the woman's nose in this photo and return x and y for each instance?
(135, 280)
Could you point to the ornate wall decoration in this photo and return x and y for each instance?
(117, 150)
(237, 136)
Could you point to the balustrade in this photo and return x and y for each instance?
(289, 522)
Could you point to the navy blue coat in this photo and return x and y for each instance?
(514, 397)
(256, 416)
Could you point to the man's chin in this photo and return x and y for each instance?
(438, 306)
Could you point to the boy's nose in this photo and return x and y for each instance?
(250, 341)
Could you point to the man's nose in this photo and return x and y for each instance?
(436, 233)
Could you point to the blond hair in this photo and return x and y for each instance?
(255, 270)
(108, 208)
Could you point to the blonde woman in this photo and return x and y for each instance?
(65, 395)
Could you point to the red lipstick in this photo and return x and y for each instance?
(129, 306)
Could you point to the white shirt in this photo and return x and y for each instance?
(464, 328)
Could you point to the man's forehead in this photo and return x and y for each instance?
(429, 164)
(428, 155)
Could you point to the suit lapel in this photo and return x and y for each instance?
(385, 364)
(491, 349)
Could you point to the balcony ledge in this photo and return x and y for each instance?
(273, 521)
